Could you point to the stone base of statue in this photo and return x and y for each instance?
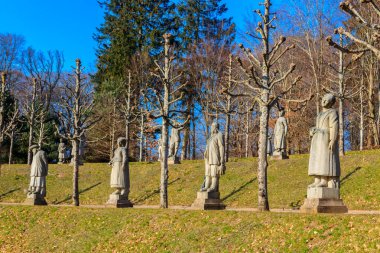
(59, 162)
(208, 201)
(35, 199)
(323, 200)
(279, 156)
(118, 201)
(173, 160)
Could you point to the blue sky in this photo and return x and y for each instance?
(68, 25)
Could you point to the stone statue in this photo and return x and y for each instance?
(61, 152)
(38, 172)
(214, 159)
(175, 139)
(323, 195)
(280, 132)
(324, 163)
(120, 175)
(160, 150)
(208, 197)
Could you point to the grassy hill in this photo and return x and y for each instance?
(287, 182)
(70, 229)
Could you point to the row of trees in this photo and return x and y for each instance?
(147, 83)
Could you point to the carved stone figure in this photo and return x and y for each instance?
(214, 159)
(280, 132)
(61, 152)
(120, 176)
(324, 163)
(323, 195)
(209, 197)
(38, 172)
(174, 142)
(160, 150)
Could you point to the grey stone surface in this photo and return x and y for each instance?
(208, 201)
(62, 152)
(35, 199)
(174, 142)
(317, 205)
(118, 201)
(322, 193)
(38, 173)
(214, 159)
(120, 175)
(173, 160)
(324, 162)
(280, 133)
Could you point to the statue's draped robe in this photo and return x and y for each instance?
(61, 150)
(175, 139)
(280, 131)
(120, 172)
(39, 171)
(214, 154)
(323, 161)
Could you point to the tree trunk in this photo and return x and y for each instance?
(371, 105)
(263, 202)
(227, 137)
(247, 133)
(341, 100)
(193, 154)
(164, 166)
(76, 174)
(112, 146)
(10, 159)
(141, 136)
(361, 141)
(32, 120)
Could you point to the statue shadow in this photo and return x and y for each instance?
(9, 192)
(239, 189)
(80, 192)
(151, 193)
(346, 177)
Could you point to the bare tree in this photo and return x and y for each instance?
(167, 94)
(343, 92)
(75, 117)
(352, 10)
(261, 87)
(47, 70)
(7, 117)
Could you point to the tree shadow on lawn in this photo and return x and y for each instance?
(346, 177)
(9, 192)
(152, 193)
(239, 189)
(80, 192)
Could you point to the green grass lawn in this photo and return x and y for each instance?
(79, 229)
(287, 182)
(70, 229)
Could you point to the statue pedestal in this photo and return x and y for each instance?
(118, 201)
(208, 201)
(173, 160)
(279, 156)
(35, 199)
(323, 200)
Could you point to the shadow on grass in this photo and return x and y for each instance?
(239, 189)
(152, 193)
(346, 177)
(9, 192)
(80, 192)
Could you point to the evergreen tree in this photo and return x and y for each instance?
(130, 26)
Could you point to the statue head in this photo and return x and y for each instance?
(121, 141)
(328, 100)
(34, 149)
(281, 112)
(60, 140)
(214, 127)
